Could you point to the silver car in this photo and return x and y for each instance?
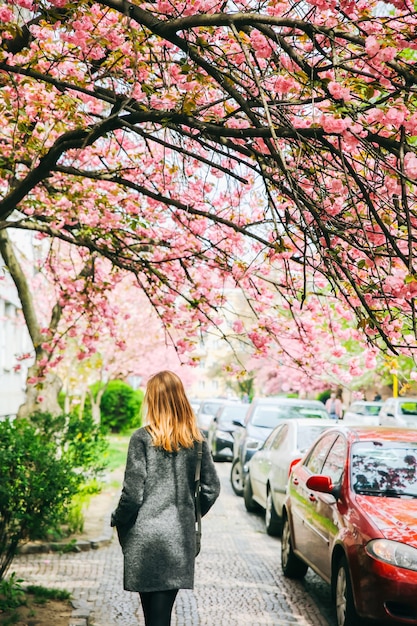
(266, 482)
(363, 413)
(400, 412)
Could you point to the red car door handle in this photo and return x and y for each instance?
(312, 497)
(295, 481)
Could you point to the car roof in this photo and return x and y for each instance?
(404, 399)
(216, 399)
(234, 403)
(368, 402)
(284, 400)
(384, 433)
(307, 421)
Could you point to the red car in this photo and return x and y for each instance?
(351, 515)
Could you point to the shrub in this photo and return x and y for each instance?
(120, 406)
(39, 484)
(79, 438)
(323, 396)
(43, 464)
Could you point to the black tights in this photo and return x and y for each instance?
(157, 606)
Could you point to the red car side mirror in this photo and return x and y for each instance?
(323, 484)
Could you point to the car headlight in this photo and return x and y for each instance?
(393, 552)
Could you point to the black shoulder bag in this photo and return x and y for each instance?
(197, 490)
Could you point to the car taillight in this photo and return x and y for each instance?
(292, 464)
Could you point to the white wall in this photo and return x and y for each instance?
(14, 341)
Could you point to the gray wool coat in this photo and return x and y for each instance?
(155, 517)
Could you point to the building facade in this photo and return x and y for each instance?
(14, 343)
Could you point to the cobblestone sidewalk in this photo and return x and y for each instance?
(238, 578)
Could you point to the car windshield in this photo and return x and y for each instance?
(408, 408)
(384, 468)
(231, 413)
(371, 409)
(210, 408)
(270, 416)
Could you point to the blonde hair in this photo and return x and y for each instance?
(170, 420)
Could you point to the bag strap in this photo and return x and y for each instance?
(197, 486)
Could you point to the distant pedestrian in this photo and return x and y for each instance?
(155, 517)
(377, 397)
(334, 406)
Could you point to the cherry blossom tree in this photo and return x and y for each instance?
(268, 146)
(136, 348)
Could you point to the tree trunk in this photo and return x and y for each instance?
(42, 396)
(95, 405)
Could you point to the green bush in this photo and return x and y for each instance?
(323, 395)
(120, 406)
(43, 464)
(82, 441)
(38, 486)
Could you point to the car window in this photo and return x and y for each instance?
(384, 468)
(210, 408)
(335, 461)
(372, 409)
(306, 435)
(271, 438)
(408, 408)
(317, 456)
(269, 416)
(308, 411)
(281, 436)
(231, 413)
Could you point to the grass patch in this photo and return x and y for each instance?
(117, 451)
(42, 594)
(33, 605)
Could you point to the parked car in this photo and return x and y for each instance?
(195, 404)
(350, 514)
(268, 469)
(263, 415)
(363, 413)
(220, 432)
(399, 412)
(207, 410)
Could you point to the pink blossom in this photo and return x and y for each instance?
(338, 91)
(338, 352)
(394, 116)
(372, 45)
(333, 124)
(6, 15)
(410, 165)
(238, 326)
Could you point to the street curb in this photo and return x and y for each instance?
(80, 545)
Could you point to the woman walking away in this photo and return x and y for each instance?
(155, 517)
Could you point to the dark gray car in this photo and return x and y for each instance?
(220, 436)
(263, 415)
